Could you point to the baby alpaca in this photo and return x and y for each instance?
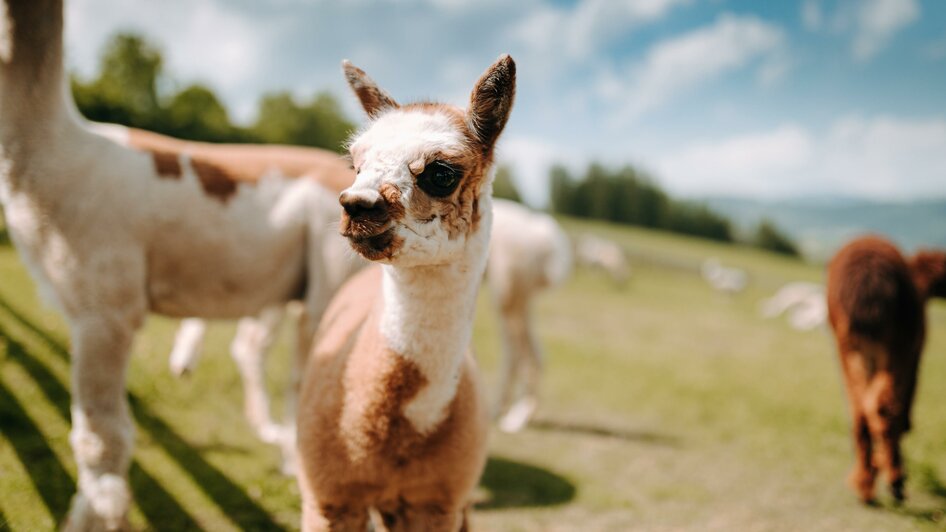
(877, 309)
(390, 416)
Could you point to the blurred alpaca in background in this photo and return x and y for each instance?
(877, 309)
(803, 302)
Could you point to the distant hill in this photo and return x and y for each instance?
(820, 225)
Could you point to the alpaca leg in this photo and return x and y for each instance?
(882, 413)
(102, 429)
(511, 363)
(250, 346)
(862, 476)
(856, 378)
(530, 371)
(187, 346)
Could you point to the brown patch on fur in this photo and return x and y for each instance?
(357, 449)
(248, 163)
(166, 164)
(878, 318)
(215, 180)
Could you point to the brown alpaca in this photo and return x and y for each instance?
(876, 306)
(391, 417)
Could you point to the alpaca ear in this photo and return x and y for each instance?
(374, 100)
(492, 100)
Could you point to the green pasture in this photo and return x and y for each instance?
(665, 406)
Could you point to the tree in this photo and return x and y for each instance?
(319, 123)
(196, 113)
(503, 185)
(126, 88)
(768, 236)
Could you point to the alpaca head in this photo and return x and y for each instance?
(423, 170)
(929, 272)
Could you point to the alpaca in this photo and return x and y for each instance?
(528, 255)
(390, 415)
(724, 279)
(876, 307)
(597, 252)
(804, 303)
(116, 223)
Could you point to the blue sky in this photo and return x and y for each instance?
(710, 97)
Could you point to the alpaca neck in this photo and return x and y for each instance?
(31, 71)
(428, 319)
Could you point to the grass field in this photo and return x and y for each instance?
(666, 406)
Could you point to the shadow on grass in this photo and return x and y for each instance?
(928, 482)
(652, 438)
(159, 506)
(52, 481)
(4, 241)
(515, 485)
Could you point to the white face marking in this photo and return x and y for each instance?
(385, 154)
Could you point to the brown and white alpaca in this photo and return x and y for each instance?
(529, 254)
(112, 230)
(877, 309)
(390, 416)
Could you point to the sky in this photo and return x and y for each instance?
(766, 100)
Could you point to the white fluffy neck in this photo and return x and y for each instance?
(428, 319)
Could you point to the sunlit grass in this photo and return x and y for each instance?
(665, 406)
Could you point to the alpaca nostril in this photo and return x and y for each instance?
(362, 206)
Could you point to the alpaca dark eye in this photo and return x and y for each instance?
(439, 179)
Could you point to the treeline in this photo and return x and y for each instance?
(128, 90)
(626, 196)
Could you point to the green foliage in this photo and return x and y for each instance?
(628, 197)
(127, 91)
(318, 122)
(768, 236)
(196, 113)
(503, 185)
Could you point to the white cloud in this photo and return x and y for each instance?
(811, 16)
(736, 165)
(680, 64)
(878, 21)
(879, 157)
(577, 33)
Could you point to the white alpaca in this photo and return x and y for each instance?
(723, 278)
(597, 252)
(529, 253)
(112, 227)
(390, 416)
(804, 302)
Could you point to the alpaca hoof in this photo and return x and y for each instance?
(897, 491)
(863, 484)
(518, 416)
(83, 517)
